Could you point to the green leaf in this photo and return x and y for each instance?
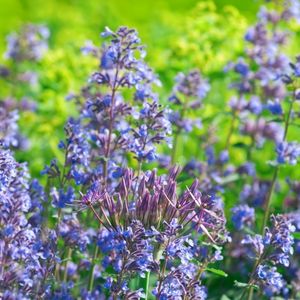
(224, 297)
(244, 285)
(296, 235)
(217, 271)
(272, 163)
(240, 284)
(229, 178)
(277, 120)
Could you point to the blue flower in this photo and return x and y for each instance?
(117, 173)
(288, 152)
(62, 198)
(274, 107)
(271, 281)
(242, 68)
(210, 155)
(61, 145)
(109, 58)
(242, 215)
(255, 105)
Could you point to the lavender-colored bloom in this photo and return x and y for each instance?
(181, 248)
(64, 291)
(128, 251)
(62, 198)
(190, 85)
(77, 147)
(255, 105)
(72, 233)
(89, 48)
(29, 44)
(134, 229)
(241, 105)
(210, 155)
(282, 239)
(120, 53)
(276, 245)
(247, 168)
(256, 242)
(270, 280)
(23, 253)
(179, 283)
(242, 68)
(256, 193)
(187, 95)
(242, 215)
(4, 72)
(261, 130)
(9, 135)
(154, 129)
(109, 125)
(288, 153)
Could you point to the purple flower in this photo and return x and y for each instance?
(288, 153)
(29, 44)
(9, 128)
(187, 96)
(242, 215)
(191, 85)
(270, 280)
(241, 68)
(62, 198)
(256, 193)
(24, 256)
(276, 245)
(72, 233)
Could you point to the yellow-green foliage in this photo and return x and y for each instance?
(206, 38)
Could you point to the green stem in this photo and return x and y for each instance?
(147, 281)
(276, 170)
(287, 120)
(111, 122)
(176, 136)
(69, 255)
(57, 269)
(269, 197)
(231, 130)
(250, 296)
(174, 148)
(91, 275)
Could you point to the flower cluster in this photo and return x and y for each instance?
(288, 153)
(146, 217)
(274, 247)
(29, 44)
(25, 253)
(111, 123)
(242, 215)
